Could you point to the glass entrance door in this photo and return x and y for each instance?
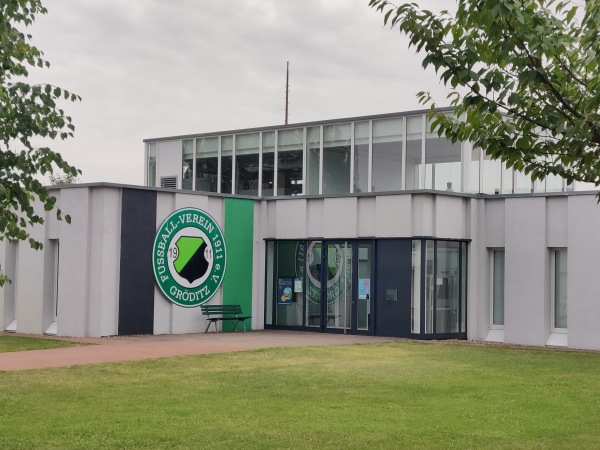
(363, 304)
(330, 285)
(314, 262)
(338, 286)
(337, 295)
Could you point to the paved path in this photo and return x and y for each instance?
(129, 348)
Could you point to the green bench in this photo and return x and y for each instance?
(215, 313)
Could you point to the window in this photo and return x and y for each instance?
(387, 154)
(336, 159)
(246, 163)
(523, 183)
(414, 151)
(151, 175)
(416, 288)
(474, 168)
(188, 164)
(496, 178)
(447, 287)
(290, 161)
(361, 157)
(226, 163)
(207, 164)
(442, 162)
(365, 275)
(554, 183)
(445, 299)
(498, 288)
(289, 284)
(268, 162)
(429, 285)
(313, 146)
(559, 290)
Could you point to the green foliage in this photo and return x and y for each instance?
(27, 112)
(65, 179)
(524, 76)
(398, 395)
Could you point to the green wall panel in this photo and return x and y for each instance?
(239, 238)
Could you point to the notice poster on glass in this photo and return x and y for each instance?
(284, 291)
(364, 288)
(298, 285)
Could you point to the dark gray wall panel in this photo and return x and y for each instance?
(136, 287)
(393, 267)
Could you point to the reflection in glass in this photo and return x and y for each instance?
(361, 157)
(363, 309)
(268, 162)
(312, 255)
(226, 163)
(463, 290)
(151, 164)
(289, 285)
(442, 162)
(414, 147)
(289, 161)
(188, 164)
(523, 184)
(447, 287)
(429, 286)
(246, 164)
(498, 288)
(554, 183)
(339, 285)
(270, 282)
(387, 154)
(507, 179)
(491, 175)
(313, 146)
(539, 186)
(336, 159)
(560, 289)
(207, 164)
(415, 288)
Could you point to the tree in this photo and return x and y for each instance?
(65, 179)
(524, 78)
(27, 112)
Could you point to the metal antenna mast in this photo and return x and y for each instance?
(287, 91)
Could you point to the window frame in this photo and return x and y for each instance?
(492, 259)
(553, 327)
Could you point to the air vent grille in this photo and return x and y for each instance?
(168, 182)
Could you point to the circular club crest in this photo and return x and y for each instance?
(308, 260)
(189, 257)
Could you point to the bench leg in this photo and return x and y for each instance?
(243, 321)
(209, 323)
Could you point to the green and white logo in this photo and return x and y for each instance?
(189, 257)
(309, 259)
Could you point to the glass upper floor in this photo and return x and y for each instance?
(391, 152)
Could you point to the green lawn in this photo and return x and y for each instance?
(11, 343)
(398, 395)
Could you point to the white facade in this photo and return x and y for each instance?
(527, 228)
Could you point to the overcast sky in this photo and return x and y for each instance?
(153, 68)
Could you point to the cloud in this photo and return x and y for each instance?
(149, 68)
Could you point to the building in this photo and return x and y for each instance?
(367, 225)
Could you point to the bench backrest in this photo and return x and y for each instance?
(209, 310)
